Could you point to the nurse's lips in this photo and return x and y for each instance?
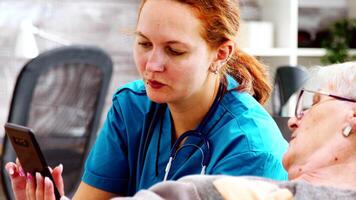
(155, 84)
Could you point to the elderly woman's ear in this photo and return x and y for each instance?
(353, 121)
(351, 127)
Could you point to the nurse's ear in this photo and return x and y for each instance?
(224, 53)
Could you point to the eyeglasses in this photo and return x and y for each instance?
(307, 99)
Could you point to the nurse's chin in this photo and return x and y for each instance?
(158, 101)
(160, 96)
(157, 98)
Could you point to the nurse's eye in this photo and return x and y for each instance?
(145, 45)
(175, 52)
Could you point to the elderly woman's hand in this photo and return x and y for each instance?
(26, 186)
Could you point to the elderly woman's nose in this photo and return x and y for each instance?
(293, 123)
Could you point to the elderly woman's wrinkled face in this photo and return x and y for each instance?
(317, 135)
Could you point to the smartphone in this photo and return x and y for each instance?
(28, 151)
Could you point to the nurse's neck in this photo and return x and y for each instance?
(188, 114)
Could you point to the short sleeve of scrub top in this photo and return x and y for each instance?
(108, 164)
(244, 141)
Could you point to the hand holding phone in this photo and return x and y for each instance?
(29, 152)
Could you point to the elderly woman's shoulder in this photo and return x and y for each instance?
(245, 187)
(302, 190)
(232, 188)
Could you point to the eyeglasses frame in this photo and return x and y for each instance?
(299, 115)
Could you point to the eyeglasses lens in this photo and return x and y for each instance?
(305, 102)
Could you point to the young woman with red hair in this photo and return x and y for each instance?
(197, 109)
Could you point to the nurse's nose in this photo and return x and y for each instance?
(156, 61)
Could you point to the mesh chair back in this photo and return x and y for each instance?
(60, 95)
(288, 80)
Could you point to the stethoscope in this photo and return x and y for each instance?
(197, 133)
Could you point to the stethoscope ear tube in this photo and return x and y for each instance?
(207, 155)
(155, 111)
(203, 170)
(168, 168)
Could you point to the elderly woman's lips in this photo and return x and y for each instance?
(155, 84)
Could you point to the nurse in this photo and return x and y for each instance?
(197, 107)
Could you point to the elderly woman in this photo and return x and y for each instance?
(321, 159)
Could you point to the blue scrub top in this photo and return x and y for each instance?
(244, 140)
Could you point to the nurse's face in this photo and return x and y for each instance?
(169, 52)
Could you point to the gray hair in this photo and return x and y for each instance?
(338, 79)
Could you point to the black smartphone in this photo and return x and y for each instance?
(28, 151)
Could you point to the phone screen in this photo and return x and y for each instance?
(28, 151)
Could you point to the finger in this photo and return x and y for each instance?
(30, 187)
(58, 179)
(14, 169)
(64, 198)
(21, 171)
(18, 181)
(48, 189)
(39, 186)
(18, 161)
(11, 169)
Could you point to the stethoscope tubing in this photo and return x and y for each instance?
(192, 133)
(206, 155)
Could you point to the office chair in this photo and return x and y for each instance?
(282, 123)
(288, 80)
(60, 94)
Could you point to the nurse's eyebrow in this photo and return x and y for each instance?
(169, 42)
(140, 34)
